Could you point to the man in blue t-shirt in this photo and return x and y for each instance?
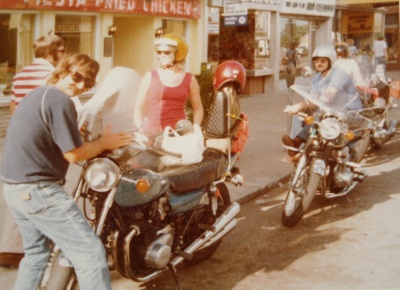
(42, 139)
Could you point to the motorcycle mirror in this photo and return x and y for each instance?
(183, 126)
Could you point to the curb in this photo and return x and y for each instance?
(270, 186)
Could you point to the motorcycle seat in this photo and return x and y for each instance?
(193, 176)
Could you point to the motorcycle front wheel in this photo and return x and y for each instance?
(300, 195)
(224, 202)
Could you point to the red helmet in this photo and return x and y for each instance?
(229, 71)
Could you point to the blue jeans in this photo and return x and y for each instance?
(43, 211)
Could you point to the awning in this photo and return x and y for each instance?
(368, 2)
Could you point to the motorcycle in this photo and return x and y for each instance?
(330, 157)
(380, 96)
(153, 218)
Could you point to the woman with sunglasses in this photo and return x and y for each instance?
(42, 139)
(163, 92)
(330, 84)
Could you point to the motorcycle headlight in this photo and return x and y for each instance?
(330, 128)
(102, 175)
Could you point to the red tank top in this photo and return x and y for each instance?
(166, 104)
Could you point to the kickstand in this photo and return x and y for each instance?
(348, 199)
(173, 271)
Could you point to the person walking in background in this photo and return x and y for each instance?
(348, 64)
(163, 92)
(352, 48)
(292, 62)
(42, 139)
(48, 51)
(380, 53)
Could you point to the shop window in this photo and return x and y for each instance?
(77, 32)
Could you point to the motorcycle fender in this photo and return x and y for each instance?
(319, 167)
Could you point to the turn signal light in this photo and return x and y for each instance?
(142, 185)
(309, 120)
(350, 135)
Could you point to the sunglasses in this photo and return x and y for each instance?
(78, 78)
(166, 52)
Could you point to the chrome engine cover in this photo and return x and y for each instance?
(159, 253)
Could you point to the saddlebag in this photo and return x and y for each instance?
(216, 122)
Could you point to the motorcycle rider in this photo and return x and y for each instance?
(348, 64)
(331, 85)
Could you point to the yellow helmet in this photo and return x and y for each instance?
(177, 41)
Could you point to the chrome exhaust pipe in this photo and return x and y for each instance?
(127, 261)
(228, 228)
(219, 227)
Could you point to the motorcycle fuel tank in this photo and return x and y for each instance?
(127, 194)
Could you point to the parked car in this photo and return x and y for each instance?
(302, 50)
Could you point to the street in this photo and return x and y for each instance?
(343, 244)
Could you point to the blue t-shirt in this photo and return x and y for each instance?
(343, 84)
(38, 135)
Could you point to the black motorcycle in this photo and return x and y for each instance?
(150, 217)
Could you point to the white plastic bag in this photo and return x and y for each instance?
(190, 146)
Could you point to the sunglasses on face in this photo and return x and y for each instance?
(78, 78)
(320, 60)
(167, 52)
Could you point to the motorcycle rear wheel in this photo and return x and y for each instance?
(61, 277)
(296, 206)
(223, 203)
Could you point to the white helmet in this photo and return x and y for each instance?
(325, 51)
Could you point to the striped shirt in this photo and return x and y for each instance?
(30, 77)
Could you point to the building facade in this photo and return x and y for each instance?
(363, 20)
(115, 33)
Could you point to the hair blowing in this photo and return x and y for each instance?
(78, 62)
(46, 45)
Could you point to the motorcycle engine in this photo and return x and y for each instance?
(343, 174)
(159, 252)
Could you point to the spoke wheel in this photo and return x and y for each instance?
(300, 196)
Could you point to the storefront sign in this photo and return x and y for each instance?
(308, 7)
(172, 8)
(235, 14)
(360, 23)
